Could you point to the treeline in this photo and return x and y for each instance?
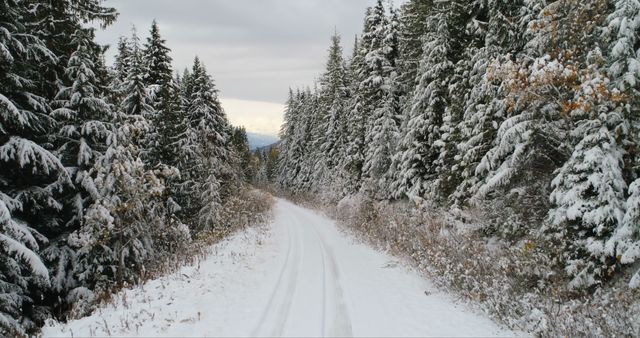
(264, 169)
(105, 172)
(522, 113)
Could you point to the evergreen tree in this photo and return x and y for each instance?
(121, 63)
(137, 100)
(55, 22)
(163, 97)
(588, 191)
(464, 46)
(205, 154)
(85, 122)
(412, 27)
(543, 87)
(136, 104)
(385, 119)
(484, 107)
(124, 230)
(240, 145)
(286, 167)
(307, 137)
(417, 152)
(156, 58)
(85, 128)
(354, 160)
(622, 30)
(625, 242)
(30, 175)
(334, 95)
(168, 125)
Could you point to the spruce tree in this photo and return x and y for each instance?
(589, 190)
(205, 153)
(412, 27)
(136, 100)
(356, 120)
(622, 31)
(625, 242)
(384, 123)
(417, 152)
(121, 62)
(334, 95)
(241, 149)
(156, 58)
(85, 121)
(85, 128)
(286, 167)
(464, 44)
(30, 175)
(484, 106)
(55, 22)
(158, 79)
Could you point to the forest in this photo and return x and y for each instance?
(520, 118)
(108, 173)
(492, 144)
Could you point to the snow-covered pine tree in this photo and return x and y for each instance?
(156, 58)
(540, 86)
(271, 163)
(355, 137)
(334, 95)
(308, 136)
(121, 61)
(286, 169)
(137, 100)
(84, 121)
(55, 22)
(241, 149)
(169, 124)
(484, 104)
(625, 242)
(589, 190)
(124, 230)
(30, 175)
(417, 153)
(412, 27)
(466, 38)
(296, 135)
(623, 60)
(204, 164)
(158, 79)
(384, 123)
(131, 224)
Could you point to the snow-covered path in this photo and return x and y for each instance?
(300, 277)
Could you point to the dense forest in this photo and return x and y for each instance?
(518, 114)
(493, 142)
(106, 172)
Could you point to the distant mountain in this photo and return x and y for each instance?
(268, 147)
(260, 140)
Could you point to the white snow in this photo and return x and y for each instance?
(296, 277)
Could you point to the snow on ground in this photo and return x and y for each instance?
(297, 277)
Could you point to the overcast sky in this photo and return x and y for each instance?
(254, 49)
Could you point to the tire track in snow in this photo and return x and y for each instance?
(339, 325)
(279, 304)
(324, 289)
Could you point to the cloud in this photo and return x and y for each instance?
(258, 117)
(254, 49)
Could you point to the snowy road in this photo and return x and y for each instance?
(299, 277)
